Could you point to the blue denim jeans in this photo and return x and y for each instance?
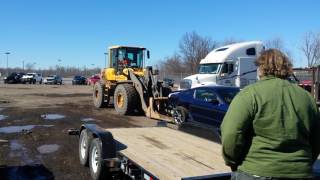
(239, 175)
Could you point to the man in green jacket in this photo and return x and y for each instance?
(272, 127)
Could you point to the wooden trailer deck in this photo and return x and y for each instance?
(170, 154)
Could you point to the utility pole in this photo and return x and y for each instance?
(59, 66)
(23, 65)
(7, 53)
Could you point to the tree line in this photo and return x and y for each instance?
(194, 47)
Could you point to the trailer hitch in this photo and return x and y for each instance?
(73, 131)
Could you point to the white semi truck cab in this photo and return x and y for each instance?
(231, 65)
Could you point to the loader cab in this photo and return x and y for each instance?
(127, 57)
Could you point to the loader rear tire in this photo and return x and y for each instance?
(100, 99)
(126, 99)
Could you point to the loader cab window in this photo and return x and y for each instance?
(127, 57)
(227, 68)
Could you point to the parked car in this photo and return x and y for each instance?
(79, 80)
(206, 105)
(32, 78)
(13, 78)
(93, 79)
(53, 79)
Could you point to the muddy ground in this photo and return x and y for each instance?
(34, 120)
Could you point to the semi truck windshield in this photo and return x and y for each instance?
(212, 68)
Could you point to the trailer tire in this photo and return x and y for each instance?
(99, 99)
(98, 169)
(125, 99)
(180, 115)
(84, 145)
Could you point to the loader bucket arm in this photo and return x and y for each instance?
(147, 103)
(139, 86)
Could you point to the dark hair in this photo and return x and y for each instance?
(274, 62)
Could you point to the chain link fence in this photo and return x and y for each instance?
(176, 77)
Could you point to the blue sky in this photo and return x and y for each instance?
(79, 31)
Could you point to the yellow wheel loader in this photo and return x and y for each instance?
(131, 85)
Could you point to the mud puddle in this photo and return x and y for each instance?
(48, 148)
(52, 116)
(18, 129)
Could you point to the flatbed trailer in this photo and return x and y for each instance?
(149, 153)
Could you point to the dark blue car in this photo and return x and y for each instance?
(206, 105)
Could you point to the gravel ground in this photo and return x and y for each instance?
(34, 120)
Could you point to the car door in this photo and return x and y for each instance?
(205, 107)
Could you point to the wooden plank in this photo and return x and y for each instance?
(170, 154)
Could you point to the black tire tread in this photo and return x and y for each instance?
(102, 172)
(85, 161)
(100, 101)
(131, 99)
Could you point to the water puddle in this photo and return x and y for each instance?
(48, 148)
(18, 150)
(3, 117)
(87, 119)
(17, 129)
(52, 116)
(14, 145)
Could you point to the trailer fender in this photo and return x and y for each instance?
(108, 143)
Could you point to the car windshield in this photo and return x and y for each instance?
(30, 74)
(51, 76)
(212, 68)
(228, 94)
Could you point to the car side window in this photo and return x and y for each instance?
(205, 95)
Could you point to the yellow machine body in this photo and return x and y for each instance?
(121, 60)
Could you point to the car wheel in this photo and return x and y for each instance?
(98, 169)
(84, 146)
(180, 115)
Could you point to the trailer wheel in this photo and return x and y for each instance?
(125, 99)
(97, 167)
(180, 115)
(99, 98)
(84, 143)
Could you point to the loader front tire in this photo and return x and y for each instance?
(125, 99)
(100, 99)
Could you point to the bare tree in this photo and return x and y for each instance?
(172, 66)
(193, 48)
(29, 66)
(311, 48)
(275, 43)
(278, 43)
(229, 41)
